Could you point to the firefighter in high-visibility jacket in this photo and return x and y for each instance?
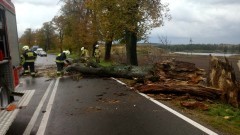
(97, 54)
(84, 54)
(60, 61)
(22, 60)
(29, 58)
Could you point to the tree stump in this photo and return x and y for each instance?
(222, 76)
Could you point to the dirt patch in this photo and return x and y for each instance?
(108, 101)
(48, 72)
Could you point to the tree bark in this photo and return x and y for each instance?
(131, 48)
(115, 71)
(175, 88)
(108, 46)
(222, 76)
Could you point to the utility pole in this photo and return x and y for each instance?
(190, 43)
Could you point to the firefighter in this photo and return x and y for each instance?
(85, 54)
(97, 54)
(29, 58)
(22, 61)
(60, 61)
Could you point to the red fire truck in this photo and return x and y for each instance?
(9, 51)
(9, 65)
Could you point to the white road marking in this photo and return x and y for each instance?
(197, 125)
(43, 125)
(29, 97)
(118, 81)
(7, 117)
(37, 111)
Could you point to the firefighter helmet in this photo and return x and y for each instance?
(82, 48)
(97, 46)
(25, 48)
(67, 52)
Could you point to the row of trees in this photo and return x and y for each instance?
(202, 48)
(83, 23)
(45, 37)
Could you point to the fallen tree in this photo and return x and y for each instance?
(113, 71)
(171, 76)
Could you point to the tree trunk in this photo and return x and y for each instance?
(108, 46)
(131, 48)
(61, 40)
(174, 88)
(116, 71)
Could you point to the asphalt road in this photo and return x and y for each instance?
(95, 106)
(43, 62)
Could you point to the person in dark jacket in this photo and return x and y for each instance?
(29, 61)
(60, 61)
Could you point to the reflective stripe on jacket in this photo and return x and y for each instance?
(29, 56)
(60, 58)
(97, 53)
(22, 60)
(85, 53)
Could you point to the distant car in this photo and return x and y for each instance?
(34, 48)
(42, 53)
(38, 51)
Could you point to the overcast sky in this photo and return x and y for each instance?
(205, 21)
(33, 13)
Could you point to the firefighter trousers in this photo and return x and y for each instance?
(30, 65)
(60, 66)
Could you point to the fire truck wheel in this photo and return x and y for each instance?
(4, 97)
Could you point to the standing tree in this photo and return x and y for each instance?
(40, 38)
(141, 17)
(79, 30)
(106, 18)
(28, 37)
(59, 25)
(128, 20)
(49, 33)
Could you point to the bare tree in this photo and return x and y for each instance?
(164, 40)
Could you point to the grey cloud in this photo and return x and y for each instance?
(216, 2)
(38, 2)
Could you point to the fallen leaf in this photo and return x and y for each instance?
(11, 107)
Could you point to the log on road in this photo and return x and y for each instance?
(114, 71)
(181, 89)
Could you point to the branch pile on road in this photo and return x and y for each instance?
(173, 77)
(180, 78)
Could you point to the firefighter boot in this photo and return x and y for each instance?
(58, 73)
(26, 72)
(33, 74)
(62, 73)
